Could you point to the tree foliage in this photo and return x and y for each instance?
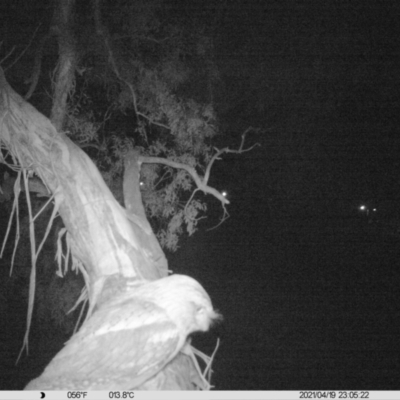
(142, 79)
(139, 67)
(122, 89)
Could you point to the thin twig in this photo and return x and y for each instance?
(23, 51)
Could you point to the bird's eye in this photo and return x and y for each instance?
(200, 310)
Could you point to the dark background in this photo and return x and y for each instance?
(307, 283)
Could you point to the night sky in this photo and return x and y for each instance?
(308, 283)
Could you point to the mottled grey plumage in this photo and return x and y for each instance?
(129, 340)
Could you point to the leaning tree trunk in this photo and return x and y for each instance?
(112, 243)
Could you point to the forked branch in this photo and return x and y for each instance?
(202, 182)
(218, 153)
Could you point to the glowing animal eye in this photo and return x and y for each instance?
(224, 193)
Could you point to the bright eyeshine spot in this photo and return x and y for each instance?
(224, 193)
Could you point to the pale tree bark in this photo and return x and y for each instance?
(112, 244)
(65, 71)
(104, 239)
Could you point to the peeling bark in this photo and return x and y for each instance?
(113, 245)
(106, 242)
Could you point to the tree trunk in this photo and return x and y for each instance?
(111, 242)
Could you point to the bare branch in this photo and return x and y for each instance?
(224, 217)
(228, 150)
(104, 34)
(23, 51)
(201, 184)
(37, 67)
(7, 55)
